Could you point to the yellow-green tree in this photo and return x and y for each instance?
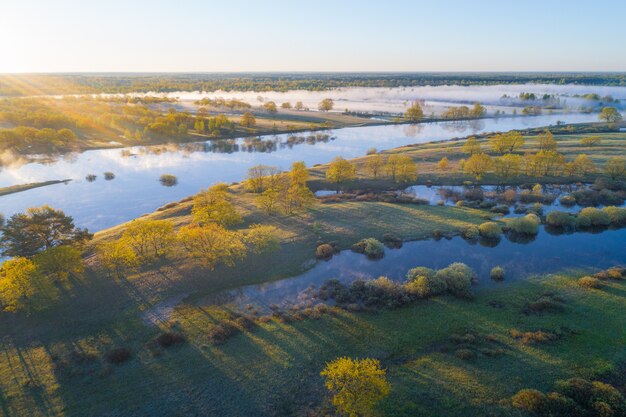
(248, 120)
(260, 177)
(591, 141)
(583, 165)
(508, 142)
(443, 164)
(546, 141)
(478, 110)
(212, 244)
(16, 283)
(340, 170)
(374, 164)
(356, 385)
(149, 239)
(270, 107)
(471, 146)
(326, 105)
(544, 163)
(214, 206)
(262, 238)
(117, 257)
(508, 165)
(414, 113)
(615, 167)
(610, 115)
(405, 169)
(478, 165)
(60, 261)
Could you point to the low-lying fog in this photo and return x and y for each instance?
(396, 100)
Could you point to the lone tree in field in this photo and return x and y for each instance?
(414, 113)
(610, 115)
(326, 105)
(615, 167)
(356, 385)
(40, 228)
(340, 171)
(248, 119)
(401, 168)
(270, 107)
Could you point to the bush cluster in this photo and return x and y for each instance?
(573, 397)
(490, 230)
(497, 273)
(382, 292)
(527, 225)
(372, 248)
(587, 217)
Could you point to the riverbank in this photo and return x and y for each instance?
(23, 187)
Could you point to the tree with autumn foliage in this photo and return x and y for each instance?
(356, 385)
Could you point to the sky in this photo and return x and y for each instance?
(313, 35)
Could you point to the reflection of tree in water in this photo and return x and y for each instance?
(461, 126)
(251, 144)
(413, 130)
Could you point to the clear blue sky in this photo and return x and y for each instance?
(314, 35)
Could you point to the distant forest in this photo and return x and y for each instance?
(77, 83)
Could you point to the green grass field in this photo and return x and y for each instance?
(274, 369)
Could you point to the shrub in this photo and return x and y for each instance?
(458, 278)
(561, 220)
(168, 180)
(529, 338)
(419, 271)
(372, 248)
(529, 400)
(471, 233)
(464, 354)
(497, 273)
(617, 215)
(590, 216)
(219, 333)
(546, 303)
(91, 177)
(500, 209)
(117, 355)
(425, 286)
(567, 200)
(616, 273)
(392, 241)
(109, 176)
(324, 251)
(527, 225)
(589, 282)
(490, 230)
(168, 339)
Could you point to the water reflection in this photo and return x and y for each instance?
(544, 253)
(136, 189)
